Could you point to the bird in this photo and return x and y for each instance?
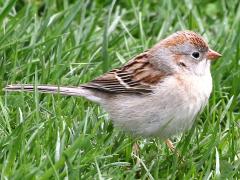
(158, 93)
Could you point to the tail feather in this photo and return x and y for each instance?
(50, 89)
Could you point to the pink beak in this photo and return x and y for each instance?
(213, 55)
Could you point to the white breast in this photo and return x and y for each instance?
(194, 96)
(169, 110)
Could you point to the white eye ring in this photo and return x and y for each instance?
(196, 55)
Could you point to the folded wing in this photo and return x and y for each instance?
(137, 76)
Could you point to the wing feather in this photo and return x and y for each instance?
(138, 76)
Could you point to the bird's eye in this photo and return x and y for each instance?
(196, 55)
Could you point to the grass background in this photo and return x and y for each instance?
(71, 42)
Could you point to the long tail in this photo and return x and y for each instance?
(51, 89)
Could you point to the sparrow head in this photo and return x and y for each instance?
(185, 52)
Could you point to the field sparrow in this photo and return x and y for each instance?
(157, 93)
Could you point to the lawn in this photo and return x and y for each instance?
(71, 42)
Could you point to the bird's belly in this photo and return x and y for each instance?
(161, 114)
(162, 122)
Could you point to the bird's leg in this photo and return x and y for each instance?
(170, 145)
(135, 149)
(136, 156)
(173, 150)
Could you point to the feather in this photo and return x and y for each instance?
(138, 76)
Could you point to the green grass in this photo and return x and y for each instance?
(71, 42)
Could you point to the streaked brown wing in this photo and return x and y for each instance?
(137, 76)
